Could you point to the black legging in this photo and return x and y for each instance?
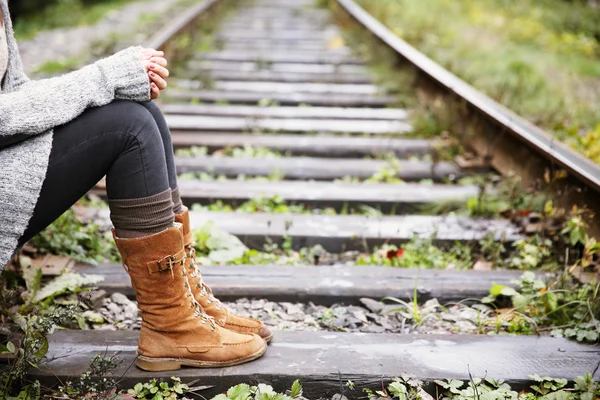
(128, 142)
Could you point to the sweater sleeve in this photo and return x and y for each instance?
(38, 106)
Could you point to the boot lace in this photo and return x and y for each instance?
(198, 311)
(205, 290)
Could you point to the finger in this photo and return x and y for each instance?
(160, 61)
(144, 55)
(161, 71)
(154, 91)
(152, 53)
(146, 64)
(160, 82)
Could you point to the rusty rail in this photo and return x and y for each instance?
(531, 135)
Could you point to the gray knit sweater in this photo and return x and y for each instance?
(34, 108)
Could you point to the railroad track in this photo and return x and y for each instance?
(280, 79)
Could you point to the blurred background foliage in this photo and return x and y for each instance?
(32, 16)
(540, 58)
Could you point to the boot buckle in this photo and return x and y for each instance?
(165, 264)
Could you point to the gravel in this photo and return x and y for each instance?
(66, 43)
(119, 313)
(373, 316)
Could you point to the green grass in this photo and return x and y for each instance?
(63, 14)
(55, 67)
(540, 58)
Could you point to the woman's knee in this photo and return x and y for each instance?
(137, 122)
(159, 118)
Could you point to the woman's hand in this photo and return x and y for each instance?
(155, 65)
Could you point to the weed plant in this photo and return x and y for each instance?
(562, 306)
(35, 311)
(277, 205)
(260, 392)
(236, 152)
(83, 242)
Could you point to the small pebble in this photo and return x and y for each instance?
(372, 317)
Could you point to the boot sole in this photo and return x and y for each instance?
(268, 338)
(173, 364)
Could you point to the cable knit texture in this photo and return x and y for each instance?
(34, 108)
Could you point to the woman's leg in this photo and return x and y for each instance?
(123, 142)
(165, 134)
(209, 303)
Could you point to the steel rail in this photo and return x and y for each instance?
(539, 140)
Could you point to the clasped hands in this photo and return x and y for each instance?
(155, 63)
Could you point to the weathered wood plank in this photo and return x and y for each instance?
(309, 145)
(402, 198)
(289, 57)
(307, 49)
(326, 285)
(316, 168)
(278, 67)
(299, 35)
(318, 99)
(295, 23)
(226, 123)
(282, 4)
(274, 76)
(287, 112)
(245, 44)
(270, 12)
(323, 360)
(338, 233)
(282, 87)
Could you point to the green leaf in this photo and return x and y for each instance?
(398, 390)
(265, 389)
(557, 333)
(221, 397)
(496, 289)
(239, 392)
(296, 389)
(64, 283)
(509, 292)
(43, 348)
(560, 395)
(592, 336)
(81, 322)
(11, 347)
(520, 301)
(488, 299)
(33, 278)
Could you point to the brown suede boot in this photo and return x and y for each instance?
(203, 293)
(175, 330)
